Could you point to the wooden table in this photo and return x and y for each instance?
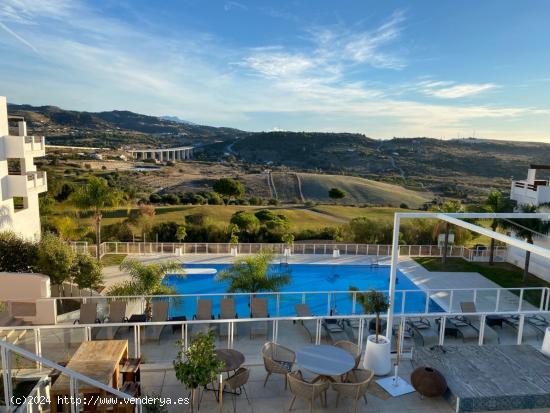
(325, 360)
(98, 360)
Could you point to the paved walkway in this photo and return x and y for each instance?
(437, 280)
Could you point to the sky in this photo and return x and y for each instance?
(436, 68)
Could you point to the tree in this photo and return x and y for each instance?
(527, 228)
(229, 188)
(146, 279)
(181, 233)
(97, 196)
(336, 193)
(495, 203)
(369, 231)
(164, 232)
(448, 207)
(17, 254)
(198, 365)
(87, 272)
(251, 275)
(67, 228)
(55, 259)
(373, 302)
(246, 221)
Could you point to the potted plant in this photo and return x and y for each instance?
(198, 365)
(288, 239)
(377, 350)
(234, 240)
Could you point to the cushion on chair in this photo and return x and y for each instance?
(285, 364)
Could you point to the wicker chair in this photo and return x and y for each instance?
(236, 383)
(277, 360)
(351, 348)
(307, 391)
(354, 386)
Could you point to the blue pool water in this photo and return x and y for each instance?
(305, 277)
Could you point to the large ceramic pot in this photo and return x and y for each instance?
(377, 355)
(428, 382)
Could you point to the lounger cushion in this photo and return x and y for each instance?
(285, 364)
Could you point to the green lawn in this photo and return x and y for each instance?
(504, 274)
(112, 259)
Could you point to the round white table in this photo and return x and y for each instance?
(325, 360)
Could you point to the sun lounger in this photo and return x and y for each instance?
(489, 335)
(303, 310)
(227, 312)
(533, 325)
(117, 314)
(160, 313)
(423, 329)
(258, 309)
(204, 312)
(88, 314)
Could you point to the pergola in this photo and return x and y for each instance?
(457, 219)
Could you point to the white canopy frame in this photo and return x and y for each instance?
(457, 219)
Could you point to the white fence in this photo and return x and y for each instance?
(171, 248)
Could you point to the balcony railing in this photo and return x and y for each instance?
(20, 146)
(25, 185)
(373, 250)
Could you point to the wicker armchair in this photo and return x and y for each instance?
(236, 383)
(307, 391)
(277, 360)
(351, 348)
(354, 386)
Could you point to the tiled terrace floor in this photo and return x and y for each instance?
(273, 398)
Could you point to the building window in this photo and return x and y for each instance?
(20, 203)
(14, 166)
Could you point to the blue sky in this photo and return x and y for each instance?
(437, 68)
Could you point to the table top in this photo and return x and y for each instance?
(96, 359)
(325, 360)
(232, 359)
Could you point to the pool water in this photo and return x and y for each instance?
(304, 278)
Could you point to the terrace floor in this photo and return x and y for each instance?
(273, 398)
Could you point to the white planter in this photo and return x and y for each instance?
(234, 251)
(336, 253)
(378, 355)
(179, 251)
(287, 252)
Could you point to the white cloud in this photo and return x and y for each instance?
(230, 5)
(452, 90)
(277, 64)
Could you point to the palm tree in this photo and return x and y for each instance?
(495, 203)
(527, 228)
(146, 279)
(446, 207)
(97, 196)
(250, 275)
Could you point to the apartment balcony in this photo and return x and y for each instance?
(23, 146)
(530, 192)
(32, 183)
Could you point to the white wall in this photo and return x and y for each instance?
(23, 286)
(538, 265)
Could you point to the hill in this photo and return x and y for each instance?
(115, 128)
(315, 187)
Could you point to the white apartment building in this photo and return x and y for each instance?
(20, 182)
(535, 192)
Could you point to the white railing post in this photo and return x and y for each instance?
(275, 330)
(353, 302)
(442, 330)
(451, 296)
(427, 303)
(278, 304)
(403, 299)
(482, 320)
(6, 376)
(520, 299)
(360, 332)
(520, 329)
(37, 345)
(318, 332)
(328, 303)
(497, 304)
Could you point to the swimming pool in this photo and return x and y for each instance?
(305, 278)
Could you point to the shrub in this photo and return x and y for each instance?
(166, 232)
(228, 187)
(87, 272)
(171, 199)
(119, 231)
(17, 254)
(55, 259)
(155, 198)
(273, 201)
(246, 221)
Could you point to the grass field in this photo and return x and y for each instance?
(315, 187)
(502, 273)
(219, 215)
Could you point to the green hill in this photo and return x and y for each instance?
(315, 187)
